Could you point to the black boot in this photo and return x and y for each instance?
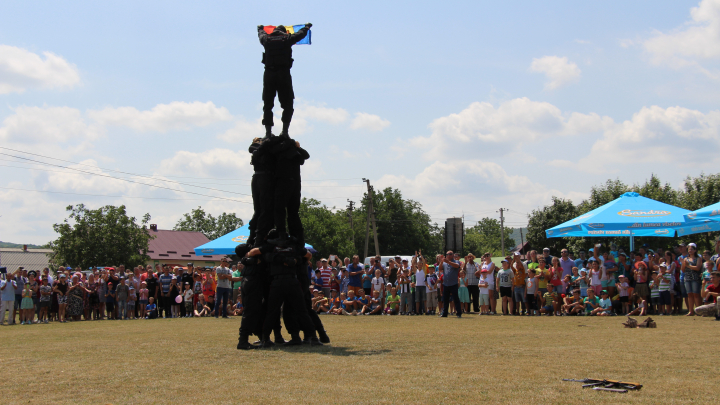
(243, 343)
(268, 132)
(315, 342)
(294, 341)
(285, 133)
(267, 344)
(324, 338)
(278, 338)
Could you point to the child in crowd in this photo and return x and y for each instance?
(317, 282)
(27, 309)
(334, 283)
(173, 293)
(393, 302)
(567, 285)
(582, 282)
(197, 288)
(132, 298)
(335, 307)
(641, 309)
(504, 283)
(484, 292)
(574, 304)
(121, 296)
(344, 281)
(378, 285)
(321, 304)
(654, 292)
(375, 304)
(665, 284)
(350, 304)
(362, 301)
(463, 293)
(531, 286)
(237, 308)
(591, 302)
(45, 295)
(201, 308)
(210, 303)
(605, 305)
(431, 291)
(549, 306)
(188, 296)
(110, 301)
(143, 300)
(151, 309)
(623, 288)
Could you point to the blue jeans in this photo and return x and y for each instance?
(222, 295)
(122, 309)
(692, 287)
(519, 294)
(447, 291)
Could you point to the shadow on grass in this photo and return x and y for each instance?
(334, 350)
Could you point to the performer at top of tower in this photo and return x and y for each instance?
(278, 61)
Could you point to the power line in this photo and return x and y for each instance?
(132, 181)
(104, 195)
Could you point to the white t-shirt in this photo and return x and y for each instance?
(420, 278)
(491, 274)
(483, 279)
(378, 283)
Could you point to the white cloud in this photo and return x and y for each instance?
(696, 40)
(558, 71)
(218, 162)
(47, 125)
(244, 131)
(321, 113)
(370, 122)
(517, 120)
(177, 115)
(21, 69)
(676, 135)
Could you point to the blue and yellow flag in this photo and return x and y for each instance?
(291, 29)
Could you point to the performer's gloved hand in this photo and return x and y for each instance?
(260, 27)
(308, 25)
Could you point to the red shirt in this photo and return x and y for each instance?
(712, 288)
(325, 274)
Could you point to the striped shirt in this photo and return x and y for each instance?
(325, 274)
(470, 270)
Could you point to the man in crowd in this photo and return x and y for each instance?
(326, 275)
(223, 290)
(355, 273)
(164, 284)
(450, 268)
(566, 263)
(546, 256)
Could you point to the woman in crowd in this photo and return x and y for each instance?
(489, 266)
(61, 289)
(692, 267)
(75, 298)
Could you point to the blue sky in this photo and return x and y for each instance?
(465, 106)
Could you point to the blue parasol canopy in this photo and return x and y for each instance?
(225, 245)
(706, 220)
(630, 215)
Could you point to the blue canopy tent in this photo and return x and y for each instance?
(225, 245)
(629, 215)
(706, 220)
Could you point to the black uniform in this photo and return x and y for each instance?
(285, 289)
(262, 187)
(287, 184)
(278, 61)
(252, 292)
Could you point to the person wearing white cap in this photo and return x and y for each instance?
(622, 288)
(692, 268)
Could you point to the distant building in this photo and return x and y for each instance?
(176, 248)
(30, 259)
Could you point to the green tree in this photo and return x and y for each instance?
(539, 220)
(101, 237)
(403, 226)
(697, 193)
(327, 231)
(486, 237)
(199, 221)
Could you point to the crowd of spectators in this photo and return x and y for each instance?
(595, 283)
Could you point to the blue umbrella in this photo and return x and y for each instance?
(629, 215)
(225, 245)
(709, 218)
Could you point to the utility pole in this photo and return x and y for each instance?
(502, 231)
(371, 218)
(522, 242)
(351, 206)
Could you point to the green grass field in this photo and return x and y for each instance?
(370, 360)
